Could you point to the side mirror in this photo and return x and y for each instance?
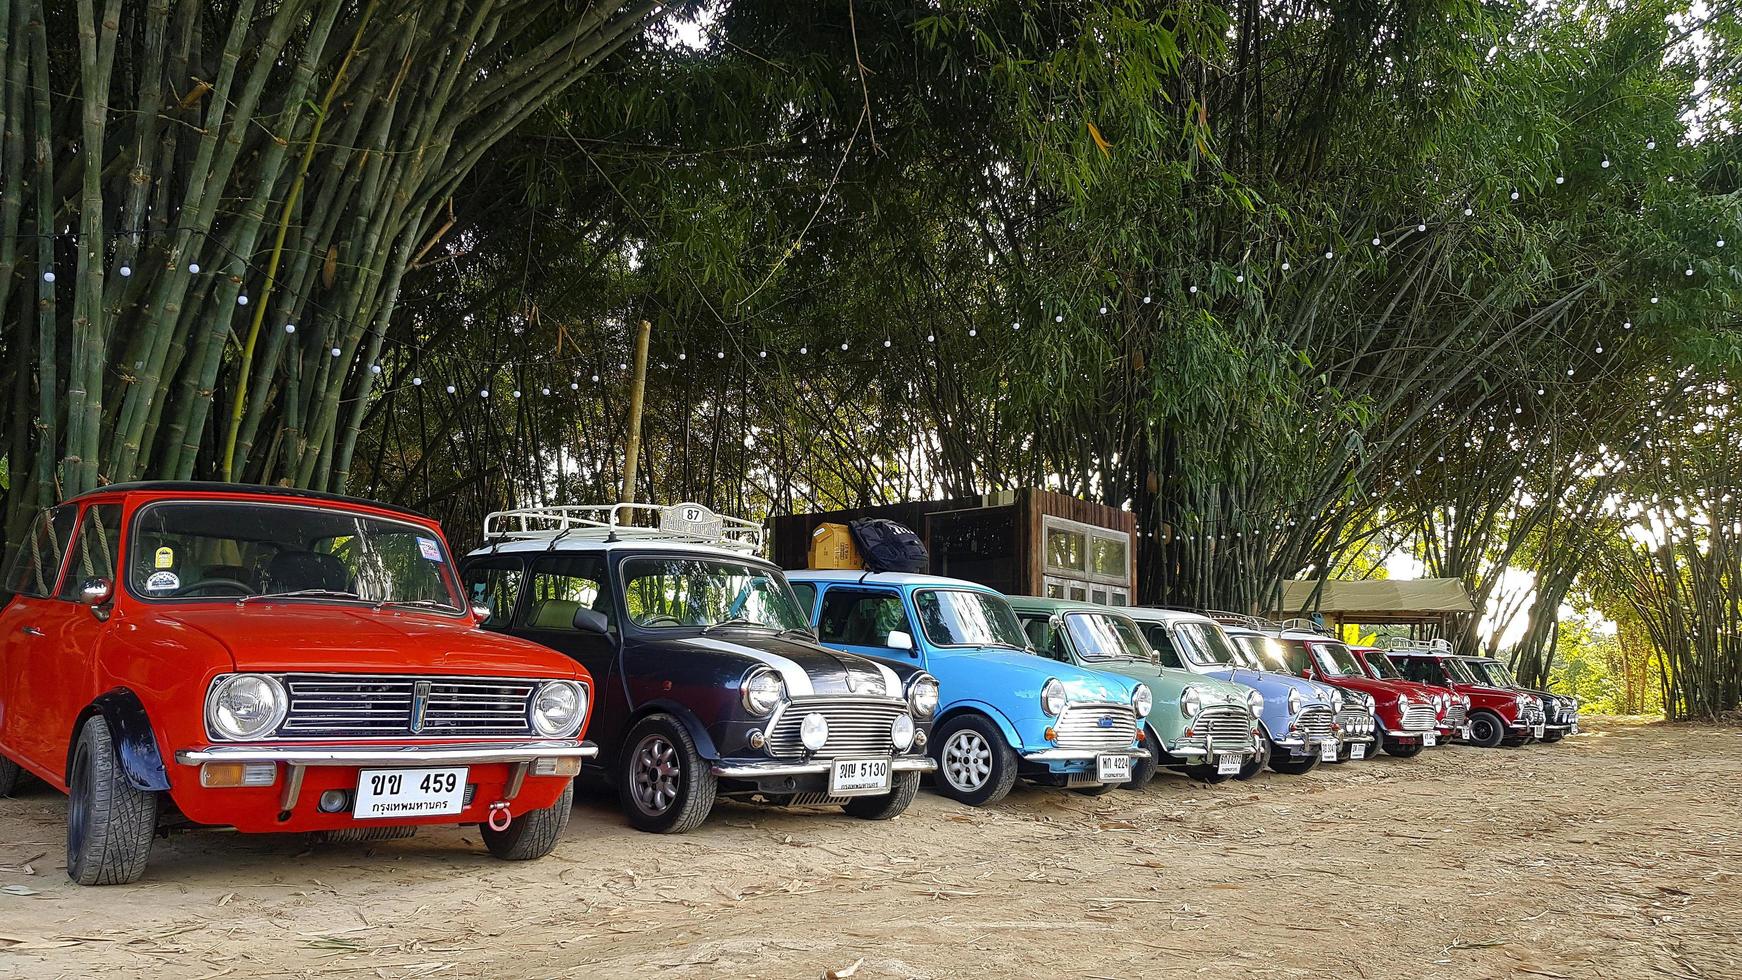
(96, 591)
(592, 621)
(480, 613)
(899, 640)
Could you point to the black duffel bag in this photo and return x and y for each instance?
(886, 546)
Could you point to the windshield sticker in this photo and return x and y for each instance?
(429, 549)
(162, 582)
(165, 558)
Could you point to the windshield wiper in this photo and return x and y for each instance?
(303, 594)
(416, 603)
(734, 621)
(803, 631)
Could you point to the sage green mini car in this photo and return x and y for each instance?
(1204, 727)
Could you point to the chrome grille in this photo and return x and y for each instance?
(1420, 718)
(1227, 729)
(382, 706)
(1456, 716)
(857, 726)
(1096, 727)
(1315, 721)
(1352, 717)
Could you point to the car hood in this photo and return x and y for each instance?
(1270, 682)
(343, 638)
(1484, 690)
(1168, 683)
(807, 668)
(1382, 689)
(1013, 668)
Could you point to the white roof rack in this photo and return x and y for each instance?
(690, 523)
(1438, 644)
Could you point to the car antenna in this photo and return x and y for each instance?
(559, 536)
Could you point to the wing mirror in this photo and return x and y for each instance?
(96, 593)
(900, 640)
(480, 613)
(592, 621)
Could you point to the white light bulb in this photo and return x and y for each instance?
(335, 352)
(1605, 163)
(241, 300)
(125, 271)
(1654, 299)
(450, 389)
(417, 382)
(574, 386)
(1628, 325)
(1240, 278)
(886, 343)
(1670, 178)
(1515, 195)
(1421, 227)
(804, 350)
(683, 356)
(1720, 243)
(545, 391)
(1103, 311)
(720, 355)
(973, 331)
(193, 267)
(595, 379)
(843, 345)
(1285, 267)
(1059, 319)
(48, 277)
(931, 338)
(1194, 289)
(1375, 239)
(374, 369)
(761, 353)
(517, 392)
(1599, 349)
(1560, 179)
(1651, 144)
(484, 393)
(1016, 326)
(1688, 271)
(1330, 255)
(1468, 212)
(1148, 299)
(290, 328)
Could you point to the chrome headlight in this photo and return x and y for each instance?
(922, 696)
(763, 691)
(244, 706)
(1142, 701)
(558, 708)
(1295, 701)
(1254, 703)
(1402, 703)
(1191, 701)
(901, 732)
(1052, 697)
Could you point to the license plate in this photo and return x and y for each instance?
(1464, 732)
(1358, 751)
(1537, 731)
(1327, 752)
(859, 777)
(1428, 739)
(1113, 768)
(387, 793)
(1227, 765)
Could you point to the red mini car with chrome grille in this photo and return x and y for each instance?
(178, 655)
(1453, 708)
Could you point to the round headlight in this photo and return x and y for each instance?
(246, 706)
(1052, 697)
(901, 732)
(1402, 703)
(1142, 701)
(813, 731)
(1294, 701)
(922, 696)
(1191, 701)
(558, 708)
(1336, 700)
(763, 691)
(1254, 703)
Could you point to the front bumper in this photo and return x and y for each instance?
(415, 754)
(810, 767)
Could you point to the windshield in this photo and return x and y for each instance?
(1492, 673)
(238, 549)
(1382, 665)
(1244, 657)
(1203, 644)
(960, 618)
(1459, 671)
(1266, 652)
(1101, 637)
(1336, 660)
(667, 593)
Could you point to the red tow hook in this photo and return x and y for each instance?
(499, 817)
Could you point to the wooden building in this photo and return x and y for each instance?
(1020, 542)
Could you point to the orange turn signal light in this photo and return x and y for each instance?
(1050, 734)
(232, 774)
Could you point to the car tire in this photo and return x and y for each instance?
(1144, 770)
(664, 785)
(1257, 764)
(1548, 738)
(1205, 772)
(1486, 729)
(976, 765)
(532, 835)
(110, 824)
(888, 806)
(1291, 766)
(1403, 750)
(11, 774)
(1345, 752)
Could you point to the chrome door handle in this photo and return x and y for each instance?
(31, 631)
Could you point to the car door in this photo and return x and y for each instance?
(29, 626)
(862, 620)
(66, 680)
(556, 587)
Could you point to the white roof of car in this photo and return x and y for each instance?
(881, 578)
(1150, 614)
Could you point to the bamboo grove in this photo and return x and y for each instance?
(1296, 283)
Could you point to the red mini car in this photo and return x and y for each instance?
(198, 654)
(1497, 714)
(1404, 712)
(1453, 708)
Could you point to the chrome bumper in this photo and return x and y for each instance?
(414, 754)
(812, 767)
(1080, 755)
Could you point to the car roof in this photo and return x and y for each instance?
(839, 576)
(1064, 605)
(565, 546)
(1153, 614)
(170, 487)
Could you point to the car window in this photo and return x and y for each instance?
(806, 594)
(1101, 638)
(496, 586)
(1459, 672)
(1046, 637)
(1163, 644)
(862, 619)
(1380, 665)
(94, 549)
(675, 593)
(961, 617)
(1418, 669)
(1205, 644)
(1294, 654)
(561, 587)
(1336, 660)
(37, 566)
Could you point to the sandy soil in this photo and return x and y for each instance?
(1617, 853)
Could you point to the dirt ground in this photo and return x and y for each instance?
(1617, 853)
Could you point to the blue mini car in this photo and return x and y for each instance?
(1004, 712)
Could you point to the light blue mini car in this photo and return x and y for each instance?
(1004, 712)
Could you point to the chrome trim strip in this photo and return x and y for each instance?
(765, 770)
(1074, 755)
(390, 755)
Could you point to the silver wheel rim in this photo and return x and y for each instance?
(967, 761)
(654, 775)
